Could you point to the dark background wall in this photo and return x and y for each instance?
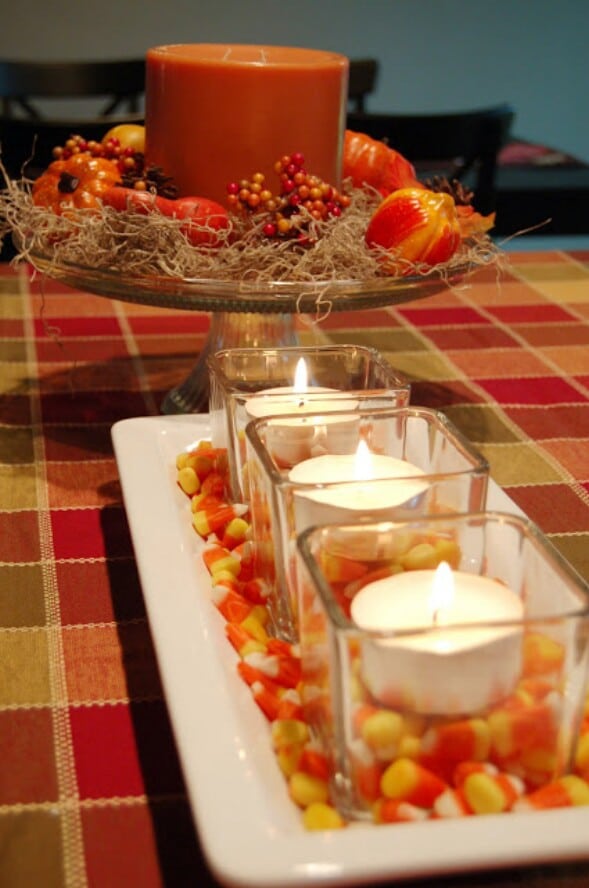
(434, 54)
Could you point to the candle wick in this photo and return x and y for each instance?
(436, 616)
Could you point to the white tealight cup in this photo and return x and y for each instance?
(464, 661)
(307, 426)
(337, 496)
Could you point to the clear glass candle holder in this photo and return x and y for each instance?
(417, 463)
(398, 687)
(248, 383)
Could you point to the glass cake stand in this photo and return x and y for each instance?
(244, 313)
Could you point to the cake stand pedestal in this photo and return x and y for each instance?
(228, 330)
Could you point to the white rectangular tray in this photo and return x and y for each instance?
(249, 829)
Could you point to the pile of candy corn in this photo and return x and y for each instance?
(400, 789)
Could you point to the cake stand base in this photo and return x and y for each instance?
(228, 330)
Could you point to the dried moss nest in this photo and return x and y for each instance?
(136, 244)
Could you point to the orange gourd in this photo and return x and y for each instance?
(75, 183)
(369, 161)
(204, 218)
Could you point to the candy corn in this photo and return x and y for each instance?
(306, 790)
(397, 811)
(565, 792)
(284, 669)
(217, 558)
(213, 520)
(319, 815)
(407, 780)
(242, 641)
(491, 793)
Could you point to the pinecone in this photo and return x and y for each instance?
(150, 178)
(460, 193)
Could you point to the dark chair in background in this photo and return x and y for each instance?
(29, 131)
(541, 189)
(362, 81)
(459, 145)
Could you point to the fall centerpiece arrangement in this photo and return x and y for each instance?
(104, 205)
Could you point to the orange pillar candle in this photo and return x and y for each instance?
(217, 113)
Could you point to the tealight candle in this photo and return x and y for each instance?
(286, 398)
(460, 663)
(304, 428)
(339, 488)
(217, 113)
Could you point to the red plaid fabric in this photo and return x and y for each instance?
(91, 791)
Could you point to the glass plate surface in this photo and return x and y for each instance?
(246, 296)
(249, 829)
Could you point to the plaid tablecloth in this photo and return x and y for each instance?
(91, 791)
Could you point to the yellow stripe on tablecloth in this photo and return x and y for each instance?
(564, 282)
(134, 351)
(18, 487)
(433, 366)
(520, 463)
(71, 823)
(566, 292)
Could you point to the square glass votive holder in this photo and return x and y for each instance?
(418, 464)
(400, 684)
(248, 383)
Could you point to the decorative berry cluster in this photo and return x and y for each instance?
(127, 158)
(303, 197)
(134, 172)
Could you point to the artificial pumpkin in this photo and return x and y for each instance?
(76, 183)
(417, 227)
(369, 161)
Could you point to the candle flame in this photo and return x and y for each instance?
(363, 463)
(301, 379)
(442, 594)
